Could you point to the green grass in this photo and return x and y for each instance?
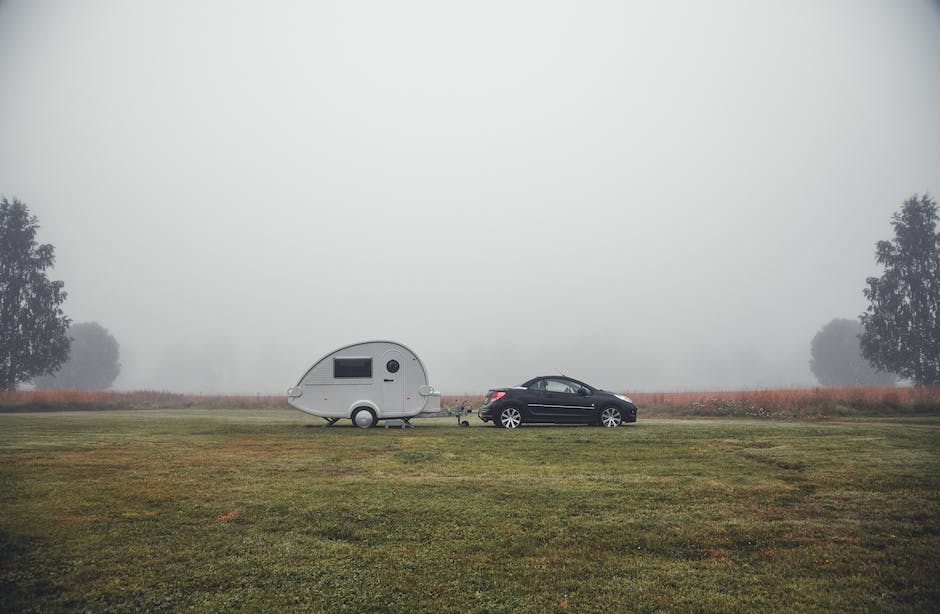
(218, 510)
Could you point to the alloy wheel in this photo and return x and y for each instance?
(611, 417)
(510, 418)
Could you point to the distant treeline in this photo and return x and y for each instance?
(779, 404)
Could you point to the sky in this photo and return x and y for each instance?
(648, 196)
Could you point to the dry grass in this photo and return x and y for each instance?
(788, 403)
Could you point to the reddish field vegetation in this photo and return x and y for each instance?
(792, 402)
(781, 403)
(50, 400)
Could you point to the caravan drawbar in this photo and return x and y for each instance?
(367, 382)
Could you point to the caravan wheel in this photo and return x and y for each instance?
(363, 417)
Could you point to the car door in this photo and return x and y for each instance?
(560, 401)
(563, 403)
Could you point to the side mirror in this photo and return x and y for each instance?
(583, 391)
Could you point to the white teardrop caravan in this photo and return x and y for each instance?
(367, 382)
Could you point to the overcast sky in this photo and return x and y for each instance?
(643, 195)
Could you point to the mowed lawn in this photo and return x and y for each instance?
(266, 510)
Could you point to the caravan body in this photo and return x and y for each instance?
(366, 382)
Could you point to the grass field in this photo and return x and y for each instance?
(265, 510)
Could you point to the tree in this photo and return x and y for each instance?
(93, 360)
(902, 323)
(32, 325)
(837, 357)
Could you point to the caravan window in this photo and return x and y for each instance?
(352, 367)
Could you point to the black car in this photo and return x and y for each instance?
(556, 398)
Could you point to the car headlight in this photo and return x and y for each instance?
(623, 398)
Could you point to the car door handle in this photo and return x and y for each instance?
(389, 380)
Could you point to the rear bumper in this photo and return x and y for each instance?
(487, 413)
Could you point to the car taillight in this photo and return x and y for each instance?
(496, 396)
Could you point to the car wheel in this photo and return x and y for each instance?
(509, 418)
(364, 418)
(611, 416)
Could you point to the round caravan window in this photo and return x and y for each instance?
(392, 366)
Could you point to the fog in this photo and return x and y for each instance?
(643, 195)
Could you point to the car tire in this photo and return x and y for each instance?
(509, 418)
(364, 418)
(610, 417)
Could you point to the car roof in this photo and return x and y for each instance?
(567, 377)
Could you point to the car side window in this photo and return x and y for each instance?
(560, 385)
(539, 385)
(573, 386)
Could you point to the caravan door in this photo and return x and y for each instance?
(392, 368)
